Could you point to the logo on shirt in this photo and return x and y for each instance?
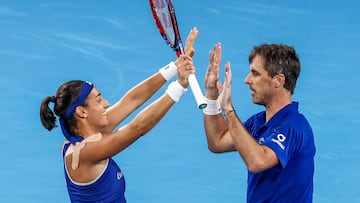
(280, 138)
(119, 175)
(261, 140)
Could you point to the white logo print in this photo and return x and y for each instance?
(261, 140)
(119, 175)
(280, 139)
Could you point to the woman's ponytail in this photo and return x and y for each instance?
(47, 116)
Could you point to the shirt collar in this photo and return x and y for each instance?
(282, 113)
(260, 118)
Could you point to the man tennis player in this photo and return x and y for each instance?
(277, 145)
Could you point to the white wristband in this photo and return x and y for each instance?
(175, 90)
(168, 71)
(212, 108)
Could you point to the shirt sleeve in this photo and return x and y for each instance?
(280, 141)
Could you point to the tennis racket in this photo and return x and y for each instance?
(165, 19)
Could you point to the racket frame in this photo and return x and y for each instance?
(177, 46)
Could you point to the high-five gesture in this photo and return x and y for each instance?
(225, 90)
(212, 73)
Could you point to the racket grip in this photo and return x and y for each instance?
(195, 88)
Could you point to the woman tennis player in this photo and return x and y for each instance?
(88, 123)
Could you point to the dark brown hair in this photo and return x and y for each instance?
(279, 59)
(64, 97)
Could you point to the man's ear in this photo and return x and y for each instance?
(279, 80)
(81, 112)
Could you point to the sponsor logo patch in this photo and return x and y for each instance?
(280, 138)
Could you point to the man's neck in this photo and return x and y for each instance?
(276, 105)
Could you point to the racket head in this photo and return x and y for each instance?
(165, 19)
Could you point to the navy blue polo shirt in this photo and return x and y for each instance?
(290, 136)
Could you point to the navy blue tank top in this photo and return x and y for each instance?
(109, 187)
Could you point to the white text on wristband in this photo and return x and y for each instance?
(168, 71)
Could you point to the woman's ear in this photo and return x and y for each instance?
(81, 112)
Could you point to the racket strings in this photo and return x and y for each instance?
(164, 22)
